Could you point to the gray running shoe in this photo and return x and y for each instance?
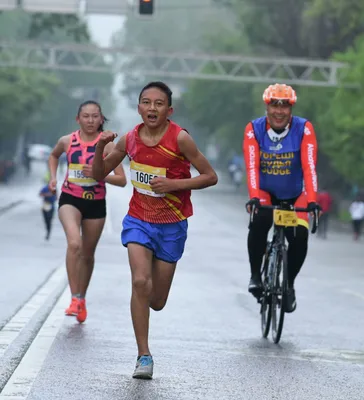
(144, 368)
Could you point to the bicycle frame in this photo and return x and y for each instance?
(275, 262)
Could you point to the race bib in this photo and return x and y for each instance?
(76, 176)
(47, 206)
(285, 218)
(141, 175)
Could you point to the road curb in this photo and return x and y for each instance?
(19, 332)
(9, 206)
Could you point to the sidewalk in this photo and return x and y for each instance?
(21, 187)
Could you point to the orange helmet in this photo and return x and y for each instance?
(279, 92)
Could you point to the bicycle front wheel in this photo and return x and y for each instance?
(279, 294)
(265, 308)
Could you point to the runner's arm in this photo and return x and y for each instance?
(308, 160)
(57, 151)
(252, 160)
(119, 178)
(207, 175)
(46, 194)
(101, 167)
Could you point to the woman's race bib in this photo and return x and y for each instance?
(142, 174)
(76, 176)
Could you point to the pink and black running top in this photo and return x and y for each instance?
(80, 153)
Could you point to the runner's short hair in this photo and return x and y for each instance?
(161, 86)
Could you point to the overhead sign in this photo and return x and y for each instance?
(8, 4)
(52, 6)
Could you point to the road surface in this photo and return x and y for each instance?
(206, 343)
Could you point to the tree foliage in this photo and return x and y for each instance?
(43, 103)
(323, 29)
(343, 122)
(173, 28)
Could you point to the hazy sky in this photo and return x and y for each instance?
(102, 28)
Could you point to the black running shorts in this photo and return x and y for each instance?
(89, 209)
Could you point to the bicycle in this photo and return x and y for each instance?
(274, 264)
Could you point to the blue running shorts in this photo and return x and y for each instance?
(166, 241)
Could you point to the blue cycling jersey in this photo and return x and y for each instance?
(281, 172)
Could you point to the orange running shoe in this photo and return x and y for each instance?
(82, 312)
(72, 310)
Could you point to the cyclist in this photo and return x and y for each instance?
(280, 153)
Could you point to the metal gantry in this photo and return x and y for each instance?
(43, 6)
(147, 62)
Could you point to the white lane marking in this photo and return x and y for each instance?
(351, 292)
(28, 205)
(13, 328)
(21, 382)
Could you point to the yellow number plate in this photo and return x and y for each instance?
(285, 218)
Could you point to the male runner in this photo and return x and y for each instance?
(155, 228)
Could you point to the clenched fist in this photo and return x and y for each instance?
(52, 185)
(87, 171)
(161, 185)
(106, 137)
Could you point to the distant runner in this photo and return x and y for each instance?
(49, 198)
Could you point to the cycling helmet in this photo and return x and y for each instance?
(279, 92)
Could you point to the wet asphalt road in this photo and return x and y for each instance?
(206, 343)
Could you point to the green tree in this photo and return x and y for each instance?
(57, 116)
(315, 28)
(343, 123)
(333, 25)
(173, 28)
(222, 108)
(48, 108)
(24, 91)
(58, 27)
(176, 28)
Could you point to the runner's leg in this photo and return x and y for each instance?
(91, 233)
(162, 277)
(70, 218)
(140, 260)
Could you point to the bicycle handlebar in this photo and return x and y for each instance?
(297, 209)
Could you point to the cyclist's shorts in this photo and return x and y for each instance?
(166, 241)
(267, 199)
(89, 209)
